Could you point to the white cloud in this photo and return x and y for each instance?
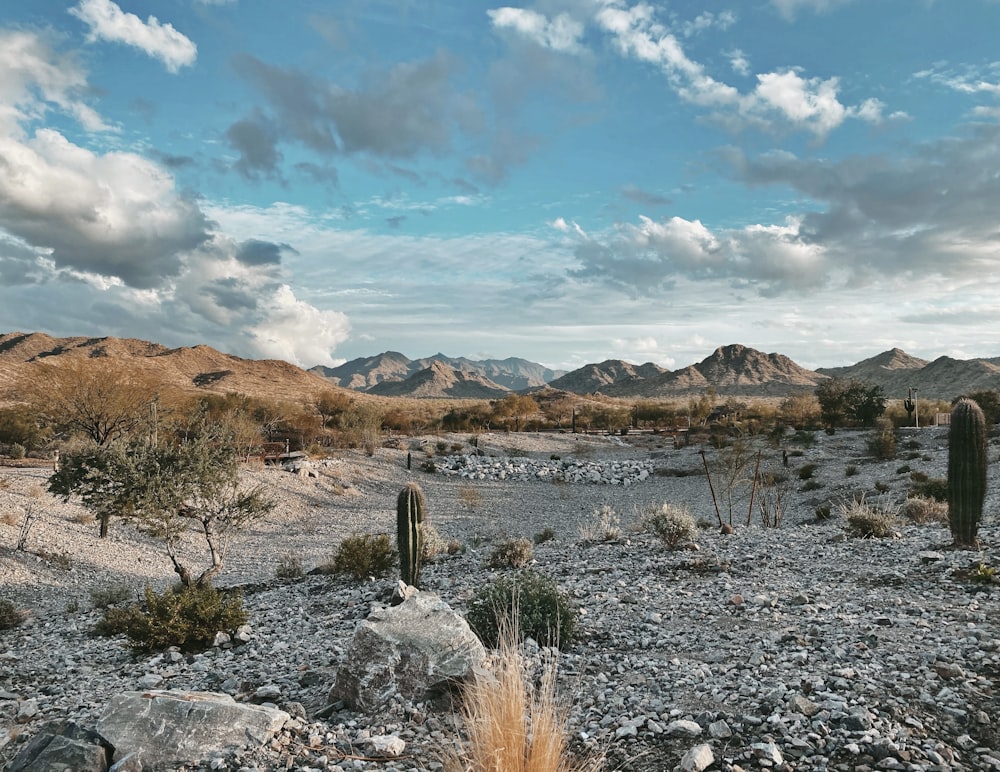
(561, 33)
(780, 99)
(161, 41)
(788, 8)
(296, 331)
(34, 78)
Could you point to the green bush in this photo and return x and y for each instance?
(529, 601)
(364, 555)
(672, 525)
(186, 617)
(933, 487)
(513, 553)
(102, 597)
(10, 617)
(806, 471)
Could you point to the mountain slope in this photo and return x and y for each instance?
(438, 381)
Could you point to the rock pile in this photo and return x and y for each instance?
(471, 467)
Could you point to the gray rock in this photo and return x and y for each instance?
(61, 746)
(415, 649)
(697, 759)
(171, 728)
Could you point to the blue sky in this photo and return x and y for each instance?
(564, 181)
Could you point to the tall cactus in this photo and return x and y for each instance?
(966, 471)
(410, 509)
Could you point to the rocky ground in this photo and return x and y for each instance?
(798, 647)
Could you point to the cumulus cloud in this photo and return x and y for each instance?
(781, 98)
(561, 33)
(160, 41)
(789, 8)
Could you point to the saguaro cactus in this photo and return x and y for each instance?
(410, 508)
(966, 471)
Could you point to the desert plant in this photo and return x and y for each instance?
(924, 509)
(432, 543)
(470, 497)
(541, 610)
(187, 617)
(289, 567)
(881, 442)
(410, 509)
(544, 535)
(983, 574)
(671, 524)
(512, 553)
(806, 471)
(772, 498)
(511, 724)
(363, 556)
(112, 595)
(10, 617)
(966, 471)
(605, 525)
(17, 451)
(851, 470)
(867, 520)
(933, 487)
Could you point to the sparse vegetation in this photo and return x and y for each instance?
(605, 525)
(867, 520)
(112, 595)
(544, 535)
(470, 497)
(10, 616)
(512, 553)
(674, 526)
(289, 567)
(541, 610)
(363, 556)
(924, 509)
(187, 617)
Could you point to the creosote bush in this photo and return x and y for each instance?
(540, 609)
(364, 555)
(671, 524)
(512, 553)
(186, 617)
(10, 617)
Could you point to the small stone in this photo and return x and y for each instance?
(386, 746)
(683, 728)
(697, 759)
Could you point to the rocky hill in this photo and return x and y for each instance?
(440, 380)
(188, 369)
(512, 374)
(609, 376)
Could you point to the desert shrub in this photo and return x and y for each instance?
(112, 595)
(17, 450)
(534, 602)
(851, 470)
(186, 617)
(806, 471)
(867, 520)
(933, 487)
(289, 567)
(432, 543)
(671, 524)
(923, 509)
(904, 469)
(882, 487)
(10, 617)
(823, 512)
(804, 438)
(544, 535)
(512, 553)
(605, 525)
(812, 485)
(364, 555)
(881, 442)
(919, 477)
(470, 496)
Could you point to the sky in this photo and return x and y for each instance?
(565, 181)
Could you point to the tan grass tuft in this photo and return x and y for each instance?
(512, 726)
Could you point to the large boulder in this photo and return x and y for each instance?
(418, 649)
(168, 729)
(62, 745)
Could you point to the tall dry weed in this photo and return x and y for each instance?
(512, 725)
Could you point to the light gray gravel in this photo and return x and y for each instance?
(789, 648)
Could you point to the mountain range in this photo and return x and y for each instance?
(732, 370)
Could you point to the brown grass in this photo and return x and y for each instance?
(514, 727)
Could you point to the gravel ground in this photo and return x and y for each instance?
(791, 648)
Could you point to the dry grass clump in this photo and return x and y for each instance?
(606, 525)
(925, 509)
(671, 524)
(513, 726)
(513, 553)
(470, 497)
(869, 521)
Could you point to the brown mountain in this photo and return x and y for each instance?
(441, 381)
(191, 369)
(361, 374)
(611, 377)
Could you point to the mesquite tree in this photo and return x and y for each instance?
(166, 489)
(966, 471)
